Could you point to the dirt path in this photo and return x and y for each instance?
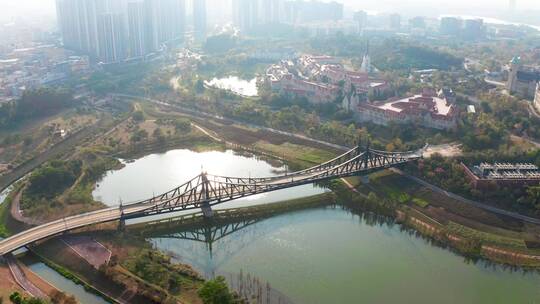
(20, 277)
(352, 188)
(17, 214)
(446, 150)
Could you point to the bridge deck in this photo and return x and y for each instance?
(204, 192)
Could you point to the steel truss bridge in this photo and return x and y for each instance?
(205, 191)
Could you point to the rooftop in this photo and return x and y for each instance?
(507, 171)
(440, 106)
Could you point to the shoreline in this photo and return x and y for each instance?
(340, 189)
(216, 143)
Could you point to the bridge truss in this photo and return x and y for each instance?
(205, 190)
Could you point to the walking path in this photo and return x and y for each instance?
(17, 214)
(22, 280)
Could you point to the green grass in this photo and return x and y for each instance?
(4, 213)
(420, 202)
(485, 237)
(303, 154)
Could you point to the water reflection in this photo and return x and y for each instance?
(158, 173)
(339, 253)
(236, 85)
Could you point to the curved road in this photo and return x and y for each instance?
(46, 230)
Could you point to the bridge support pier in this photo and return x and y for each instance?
(122, 225)
(207, 210)
(364, 179)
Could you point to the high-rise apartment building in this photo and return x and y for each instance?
(451, 26)
(361, 17)
(199, 18)
(78, 22)
(310, 11)
(112, 38)
(395, 22)
(112, 30)
(474, 29)
(248, 14)
(168, 20)
(139, 33)
(417, 22)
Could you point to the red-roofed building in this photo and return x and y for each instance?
(431, 112)
(321, 79)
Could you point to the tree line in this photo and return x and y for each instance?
(37, 103)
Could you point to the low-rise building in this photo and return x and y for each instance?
(321, 79)
(427, 109)
(42, 65)
(485, 175)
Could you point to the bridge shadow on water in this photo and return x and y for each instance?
(193, 239)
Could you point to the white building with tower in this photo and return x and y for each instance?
(366, 62)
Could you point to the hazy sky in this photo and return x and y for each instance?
(11, 8)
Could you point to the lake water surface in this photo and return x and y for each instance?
(322, 255)
(330, 255)
(236, 85)
(158, 173)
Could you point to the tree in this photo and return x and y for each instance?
(138, 116)
(199, 86)
(53, 178)
(216, 292)
(182, 125)
(58, 297)
(17, 298)
(158, 136)
(35, 103)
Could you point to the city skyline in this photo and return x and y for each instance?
(47, 7)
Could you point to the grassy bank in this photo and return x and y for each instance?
(57, 255)
(470, 231)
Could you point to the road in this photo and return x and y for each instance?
(46, 230)
(468, 201)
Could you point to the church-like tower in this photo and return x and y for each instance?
(366, 61)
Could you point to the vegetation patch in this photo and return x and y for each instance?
(485, 237)
(420, 202)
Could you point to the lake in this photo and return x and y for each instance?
(247, 88)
